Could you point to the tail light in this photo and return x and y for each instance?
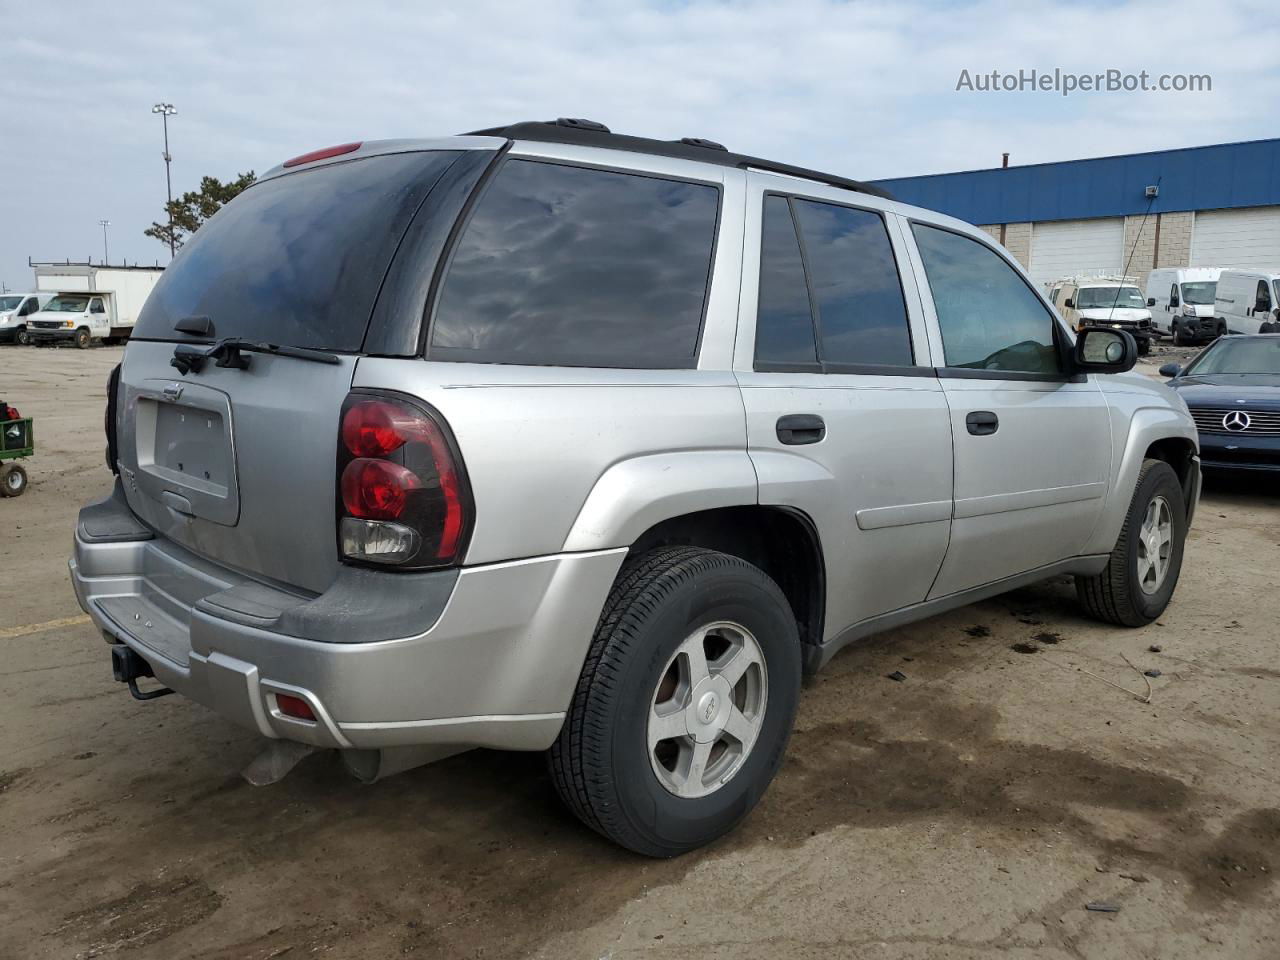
(109, 418)
(403, 495)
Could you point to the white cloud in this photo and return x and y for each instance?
(864, 89)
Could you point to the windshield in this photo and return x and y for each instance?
(1103, 298)
(67, 305)
(1199, 294)
(10, 303)
(1247, 355)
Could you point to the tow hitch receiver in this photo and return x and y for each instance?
(127, 667)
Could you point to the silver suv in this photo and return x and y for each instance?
(545, 438)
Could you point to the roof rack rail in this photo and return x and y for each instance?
(589, 133)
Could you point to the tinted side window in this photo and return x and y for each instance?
(784, 324)
(95, 306)
(861, 314)
(988, 316)
(1264, 296)
(568, 266)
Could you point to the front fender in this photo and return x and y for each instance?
(1146, 425)
(634, 495)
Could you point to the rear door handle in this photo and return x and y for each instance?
(982, 423)
(800, 428)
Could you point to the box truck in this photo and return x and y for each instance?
(90, 301)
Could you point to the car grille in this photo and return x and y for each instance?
(1262, 423)
(46, 324)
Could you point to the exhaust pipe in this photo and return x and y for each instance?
(370, 766)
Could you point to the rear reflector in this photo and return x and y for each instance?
(324, 154)
(295, 707)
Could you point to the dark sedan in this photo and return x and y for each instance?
(1233, 391)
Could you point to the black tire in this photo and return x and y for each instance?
(1144, 347)
(83, 338)
(13, 480)
(1180, 339)
(601, 764)
(1115, 595)
(22, 338)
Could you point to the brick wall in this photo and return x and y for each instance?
(1175, 241)
(1175, 238)
(1017, 239)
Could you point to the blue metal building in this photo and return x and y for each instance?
(1216, 205)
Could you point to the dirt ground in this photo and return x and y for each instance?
(972, 810)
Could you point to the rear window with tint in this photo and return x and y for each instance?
(297, 259)
(572, 266)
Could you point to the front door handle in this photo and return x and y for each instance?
(800, 428)
(982, 423)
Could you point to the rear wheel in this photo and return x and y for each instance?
(13, 480)
(1141, 575)
(83, 338)
(685, 702)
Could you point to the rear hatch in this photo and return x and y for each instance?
(238, 464)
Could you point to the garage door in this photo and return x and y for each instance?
(1072, 247)
(1247, 237)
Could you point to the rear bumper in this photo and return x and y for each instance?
(486, 656)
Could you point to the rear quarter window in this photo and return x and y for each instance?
(573, 266)
(297, 259)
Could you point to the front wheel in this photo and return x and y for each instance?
(1180, 338)
(22, 337)
(1141, 575)
(83, 338)
(684, 705)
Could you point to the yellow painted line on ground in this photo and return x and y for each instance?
(9, 633)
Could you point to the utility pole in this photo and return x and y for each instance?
(166, 110)
(106, 255)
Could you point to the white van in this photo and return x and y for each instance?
(14, 310)
(1181, 303)
(1246, 299)
(1103, 301)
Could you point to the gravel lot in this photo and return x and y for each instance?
(970, 811)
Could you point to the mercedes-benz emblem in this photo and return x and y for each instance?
(1236, 420)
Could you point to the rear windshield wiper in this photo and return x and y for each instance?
(230, 353)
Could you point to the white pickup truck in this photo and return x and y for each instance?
(89, 302)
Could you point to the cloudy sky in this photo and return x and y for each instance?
(866, 89)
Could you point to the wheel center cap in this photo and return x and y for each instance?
(708, 709)
(708, 706)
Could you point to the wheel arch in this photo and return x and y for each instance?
(1161, 433)
(782, 541)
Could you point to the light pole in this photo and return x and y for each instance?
(106, 255)
(166, 110)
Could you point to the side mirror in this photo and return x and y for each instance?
(1175, 304)
(1069, 304)
(1151, 301)
(1262, 306)
(1104, 350)
(1170, 370)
